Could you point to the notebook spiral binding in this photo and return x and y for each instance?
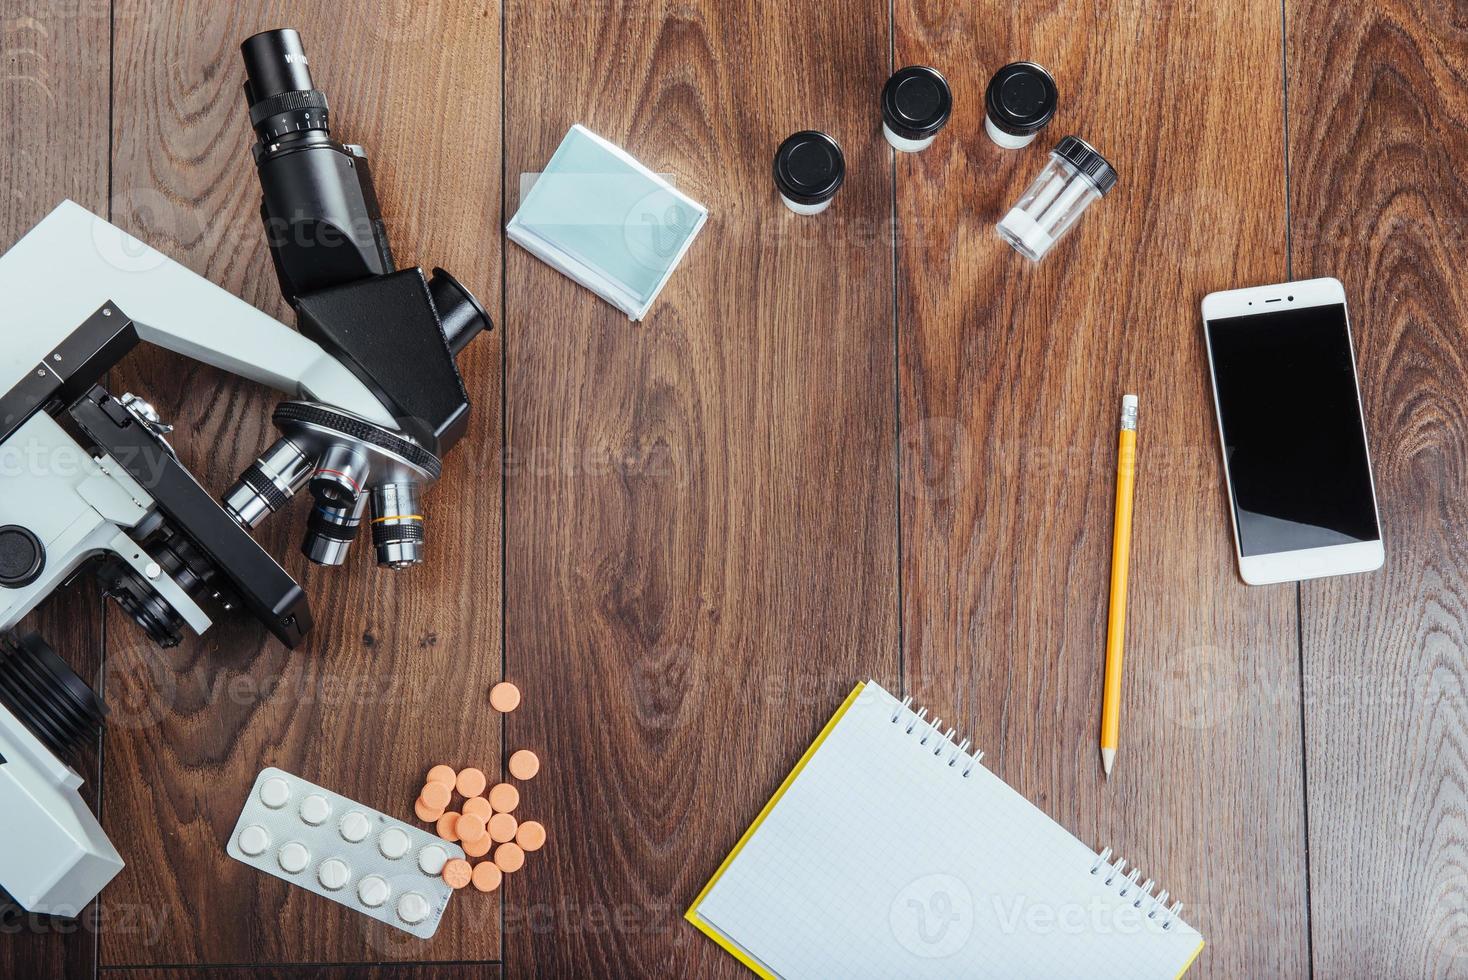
(1116, 875)
(933, 731)
(1125, 882)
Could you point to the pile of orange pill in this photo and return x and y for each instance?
(485, 821)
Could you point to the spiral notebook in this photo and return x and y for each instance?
(891, 852)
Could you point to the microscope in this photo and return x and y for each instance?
(90, 483)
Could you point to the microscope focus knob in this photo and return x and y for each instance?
(22, 556)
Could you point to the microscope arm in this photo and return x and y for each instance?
(56, 276)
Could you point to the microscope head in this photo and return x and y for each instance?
(398, 331)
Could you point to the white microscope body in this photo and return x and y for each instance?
(72, 505)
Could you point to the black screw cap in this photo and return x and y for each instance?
(809, 167)
(1021, 99)
(916, 102)
(1083, 157)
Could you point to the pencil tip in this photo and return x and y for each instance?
(1108, 759)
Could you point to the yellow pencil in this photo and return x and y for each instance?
(1121, 548)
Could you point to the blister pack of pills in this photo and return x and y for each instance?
(325, 843)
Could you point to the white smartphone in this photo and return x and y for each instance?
(1292, 431)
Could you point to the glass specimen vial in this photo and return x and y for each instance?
(1074, 177)
(809, 170)
(916, 104)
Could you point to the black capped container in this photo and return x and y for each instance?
(1019, 103)
(1074, 178)
(916, 104)
(809, 170)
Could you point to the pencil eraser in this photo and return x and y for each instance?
(1129, 402)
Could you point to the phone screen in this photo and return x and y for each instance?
(1292, 436)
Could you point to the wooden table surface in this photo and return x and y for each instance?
(875, 443)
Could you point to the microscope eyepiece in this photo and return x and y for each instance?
(275, 63)
(281, 96)
(462, 315)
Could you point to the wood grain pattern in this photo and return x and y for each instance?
(702, 526)
(1011, 383)
(702, 538)
(1378, 147)
(397, 971)
(53, 125)
(394, 677)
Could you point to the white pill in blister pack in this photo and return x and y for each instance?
(373, 891)
(431, 859)
(413, 908)
(355, 827)
(275, 792)
(294, 857)
(393, 843)
(344, 851)
(334, 874)
(315, 809)
(254, 839)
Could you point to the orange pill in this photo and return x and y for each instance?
(448, 826)
(478, 848)
(480, 807)
(437, 795)
(426, 813)
(487, 876)
(442, 774)
(502, 828)
(530, 836)
(471, 782)
(504, 798)
(504, 697)
(469, 827)
(509, 857)
(524, 764)
(457, 873)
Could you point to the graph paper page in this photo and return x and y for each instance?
(881, 860)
